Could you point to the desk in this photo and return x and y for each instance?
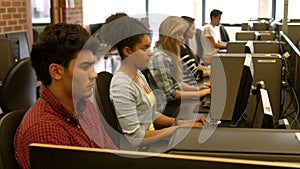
(255, 144)
(55, 156)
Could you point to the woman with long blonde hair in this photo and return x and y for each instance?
(165, 65)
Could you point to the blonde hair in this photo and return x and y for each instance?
(167, 30)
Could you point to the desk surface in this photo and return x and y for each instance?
(276, 144)
(55, 156)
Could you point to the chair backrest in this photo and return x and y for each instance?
(199, 43)
(8, 126)
(223, 34)
(172, 107)
(103, 100)
(18, 89)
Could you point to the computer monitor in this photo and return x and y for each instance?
(95, 30)
(95, 27)
(244, 88)
(264, 118)
(23, 43)
(249, 47)
(226, 72)
(2, 36)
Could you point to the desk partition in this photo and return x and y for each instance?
(259, 46)
(226, 70)
(255, 35)
(55, 156)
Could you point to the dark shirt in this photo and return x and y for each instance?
(49, 121)
(191, 73)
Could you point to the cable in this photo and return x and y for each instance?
(286, 76)
(285, 83)
(297, 103)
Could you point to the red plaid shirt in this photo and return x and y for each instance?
(49, 121)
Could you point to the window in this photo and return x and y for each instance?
(96, 11)
(160, 9)
(40, 11)
(293, 10)
(172, 7)
(238, 11)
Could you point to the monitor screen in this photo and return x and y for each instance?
(95, 27)
(249, 48)
(2, 36)
(244, 90)
(23, 43)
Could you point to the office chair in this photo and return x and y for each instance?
(8, 126)
(18, 89)
(223, 34)
(103, 100)
(199, 44)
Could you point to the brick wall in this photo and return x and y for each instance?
(13, 17)
(74, 15)
(60, 12)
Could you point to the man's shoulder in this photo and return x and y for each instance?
(207, 26)
(40, 111)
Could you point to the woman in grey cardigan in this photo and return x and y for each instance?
(130, 93)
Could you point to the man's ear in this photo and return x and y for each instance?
(56, 71)
(127, 51)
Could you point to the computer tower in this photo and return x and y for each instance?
(225, 76)
(9, 55)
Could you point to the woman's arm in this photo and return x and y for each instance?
(191, 94)
(156, 135)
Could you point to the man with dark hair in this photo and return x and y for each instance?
(210, 40)
(64, 62)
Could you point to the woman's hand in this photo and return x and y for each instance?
(205, 86)
(201, 67)
(204, 92)
(198, 122)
